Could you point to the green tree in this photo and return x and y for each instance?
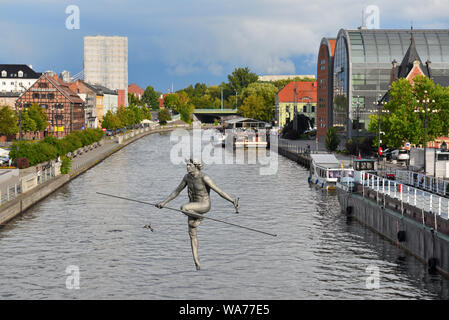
(164, 116)
(151, 98)
(265, 90)
(39, 116)
(111, 121)
(184, 107)
(171, 101)
(8, 121)
(402, 124)
(254, 107)
(28, 124)
(332, 139)
(240, 79)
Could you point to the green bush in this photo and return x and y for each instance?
(66, 165)
(51, 147)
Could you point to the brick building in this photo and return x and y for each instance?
(325, 71)
(65, 109)
(136, 90)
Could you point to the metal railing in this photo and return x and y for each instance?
(12, 191)
(294, 148)
(426, 201)
(422, 181)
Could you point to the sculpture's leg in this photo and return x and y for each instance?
(198, 208)
(193, 223)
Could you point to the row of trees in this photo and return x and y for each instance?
(243, 91)
(150, 99)
(125, 117)
(50, 147)
(33, 119)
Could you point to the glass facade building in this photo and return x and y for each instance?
(363, 65)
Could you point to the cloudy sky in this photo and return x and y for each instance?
(184, 42)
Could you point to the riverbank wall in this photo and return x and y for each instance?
(37, 192)
(424, 235)
(429, 245)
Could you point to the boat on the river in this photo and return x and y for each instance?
(325, 169)
(247, 133)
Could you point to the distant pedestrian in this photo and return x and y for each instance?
(10, 161)
(308, 148)
(38, 175)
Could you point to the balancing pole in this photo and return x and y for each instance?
(191, 214)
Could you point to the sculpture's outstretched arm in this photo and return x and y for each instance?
(222, 194)
(174, 194)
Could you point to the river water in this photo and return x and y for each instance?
(317, 254)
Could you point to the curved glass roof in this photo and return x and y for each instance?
(383, 46)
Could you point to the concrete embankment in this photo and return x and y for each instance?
(424, 242)
(423, 234)
(20, 204)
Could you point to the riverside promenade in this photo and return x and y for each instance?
(24, 187)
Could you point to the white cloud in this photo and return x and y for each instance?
(213, 37)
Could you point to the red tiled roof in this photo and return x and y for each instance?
(304, 89)
(65, 89)
(134, 88)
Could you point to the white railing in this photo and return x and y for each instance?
(421, 199)
(421, 181)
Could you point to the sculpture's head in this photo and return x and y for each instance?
(193, 164)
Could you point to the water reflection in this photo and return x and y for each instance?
(317, 254)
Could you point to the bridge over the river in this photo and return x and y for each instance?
(208, 115)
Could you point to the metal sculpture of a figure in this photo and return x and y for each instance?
(199, 185)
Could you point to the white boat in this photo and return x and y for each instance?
(325, 170)
(246, 139)
(251, 141)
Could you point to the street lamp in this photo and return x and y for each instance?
(357, 109)
(425, 110)
(379, 141)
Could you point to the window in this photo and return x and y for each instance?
(43, 85)
(20, 74)
(313, 108)
(322, 67)
(50, 96)
(35, 95)
(43, 96)
(4, 73)
(304, 109)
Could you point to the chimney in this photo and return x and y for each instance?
(31, 66)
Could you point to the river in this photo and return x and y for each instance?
(317, 253)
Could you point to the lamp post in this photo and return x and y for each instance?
(425, 110)
(379, 132)
(357, 110)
